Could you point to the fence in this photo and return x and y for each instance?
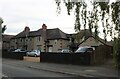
(16, 55)
(65, 58)
(101, 54)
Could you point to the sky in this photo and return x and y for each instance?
(33, 13)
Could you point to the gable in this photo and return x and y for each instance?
(91, 42)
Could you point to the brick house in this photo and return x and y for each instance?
(46, 40)
(6, 41)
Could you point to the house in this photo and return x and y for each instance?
(6, 41)
(77, 38)
(82, 35)
(94, 42)
(103, 49)
(46, 40)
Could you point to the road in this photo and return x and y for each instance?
(16, 70)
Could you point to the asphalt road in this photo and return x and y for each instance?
(16, 70)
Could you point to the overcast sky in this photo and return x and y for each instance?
(33, 13)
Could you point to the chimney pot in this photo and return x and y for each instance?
(27, 29)
(44, 27)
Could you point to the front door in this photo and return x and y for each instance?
(50, 49)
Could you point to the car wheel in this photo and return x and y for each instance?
(35, 55)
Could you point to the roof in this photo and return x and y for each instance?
(50, 34)
(85, 33)
(34, 33)
(110, 43)
(6, 38)
(21, 34)
(56, 34)
(24, 34)
(98, 39)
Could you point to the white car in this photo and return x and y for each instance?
(33, 53)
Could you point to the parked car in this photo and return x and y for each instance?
(11, 50)
(19, 50)
(34, 53)
(66, 51)
(84, 50)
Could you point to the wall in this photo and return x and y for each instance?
(31, 43)
(5, 45)
(58, 44)
(13, 44)
(34, 43)
(38, 43)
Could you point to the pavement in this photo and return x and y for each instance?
(76, 70)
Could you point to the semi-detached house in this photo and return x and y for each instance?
(46, 40)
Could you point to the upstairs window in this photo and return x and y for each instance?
(38, 38)
(55, 41)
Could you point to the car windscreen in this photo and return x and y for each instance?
(90, 49)
(81, 50)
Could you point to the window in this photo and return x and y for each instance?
(70, 40)
(13, 40)
(20, 39)
(39, 47)
(30, 39)
(55, 41)
(26, 39)
(38, 38)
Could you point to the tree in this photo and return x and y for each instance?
(2, 29)
(115, 6)
(116, 20)
(84, 16)
(1, 21)
(98, 13)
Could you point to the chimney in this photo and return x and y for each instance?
(44, 27)
(27, 29)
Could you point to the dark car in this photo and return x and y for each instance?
(11, 50)
(84, 50)
(19, 50)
